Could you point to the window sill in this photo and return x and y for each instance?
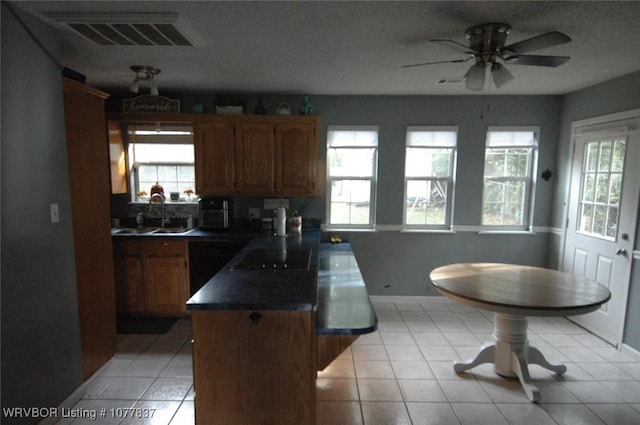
(506, 232)
(348, 229)
(435, 231)
(167, 202)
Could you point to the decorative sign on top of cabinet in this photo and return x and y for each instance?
(256, 155)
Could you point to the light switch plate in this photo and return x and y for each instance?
(272, 204)
(55, 213)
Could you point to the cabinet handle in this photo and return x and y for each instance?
(255, 317)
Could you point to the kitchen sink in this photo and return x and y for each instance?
(133, 230)
(171, 230)
(150, 230)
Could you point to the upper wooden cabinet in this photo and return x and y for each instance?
(260, 155)
(256, 155)
(296, 153)
(214, 164)
(254, 158)
(117, 156)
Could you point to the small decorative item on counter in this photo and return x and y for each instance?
(189, 193)
(260, 109)
(229, 110)
(156, 188)
(335, 238)
(283, 109)
(174, 196)
(295, 222)
(142, 195)
(306, 106)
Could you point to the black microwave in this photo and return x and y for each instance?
(214, 213)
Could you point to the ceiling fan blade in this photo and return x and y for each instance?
(437, 62)
(542, 41)
(537, 60)
(475, 76)
(500, 74)
(455, 46)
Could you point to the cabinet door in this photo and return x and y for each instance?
(254, 158)
(117, 157)
(166, 285)
(254, 367)
(214, 158)
(295, 159)
(129, 284)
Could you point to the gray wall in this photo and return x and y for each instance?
(620, 94)
(395, 263)
(41, 362)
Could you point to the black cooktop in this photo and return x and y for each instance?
(296, 259)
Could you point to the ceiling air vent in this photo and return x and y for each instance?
(129, 29)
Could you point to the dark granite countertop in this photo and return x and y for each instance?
(344, 307)
(264, 289)
(184, 233)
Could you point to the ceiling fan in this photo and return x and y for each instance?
(487, 47)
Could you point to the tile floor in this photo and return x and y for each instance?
(401, 374)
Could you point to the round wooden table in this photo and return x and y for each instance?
(514, 292)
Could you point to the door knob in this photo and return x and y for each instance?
(621, 251)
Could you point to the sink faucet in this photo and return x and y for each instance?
(162, 217)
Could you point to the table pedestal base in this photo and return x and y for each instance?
(511, 353)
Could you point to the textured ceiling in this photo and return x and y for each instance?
(357, 47)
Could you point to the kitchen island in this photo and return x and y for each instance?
(283, 308)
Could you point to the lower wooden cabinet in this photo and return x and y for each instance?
(152, 276)
(254, 367)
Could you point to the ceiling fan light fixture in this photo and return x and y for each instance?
(476, 75)
(145, 74)
(500, 74)
(487, 44)
(135, 87)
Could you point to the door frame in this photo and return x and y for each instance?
(605, 121)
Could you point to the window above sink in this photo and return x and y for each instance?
(158, 153)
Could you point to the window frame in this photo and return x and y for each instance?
(450, 179)
(136, 175)
(530, 179)
(144, 133)
(373, 178)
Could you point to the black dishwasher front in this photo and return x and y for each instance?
(208, 257)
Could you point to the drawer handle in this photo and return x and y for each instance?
(255, 317)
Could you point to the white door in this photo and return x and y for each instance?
(601, 214)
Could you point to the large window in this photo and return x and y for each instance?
(352, 154)
(164, 155)
(510, 158)
(429, 177)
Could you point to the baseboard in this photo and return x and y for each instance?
(630, 351)
(406, 298)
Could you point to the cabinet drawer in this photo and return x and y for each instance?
(165, 247)
(124, 247)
